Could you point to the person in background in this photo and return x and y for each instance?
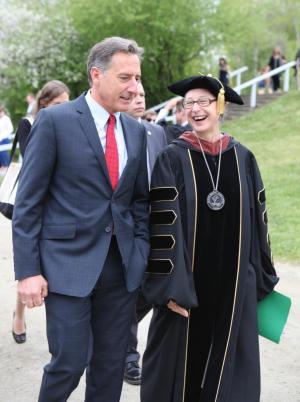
(264, 85)
(210, 260)
(297, 68)
(223, 71)
(156, 141)
(6, 129)
(173, 131)
(53, 93)
(150, 116)
(276, 60)
(30, 99)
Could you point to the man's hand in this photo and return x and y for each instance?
(177, 309)
(33, 290)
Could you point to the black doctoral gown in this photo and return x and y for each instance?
(217, 264)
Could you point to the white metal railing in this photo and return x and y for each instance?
(236, 73)
(253, 83)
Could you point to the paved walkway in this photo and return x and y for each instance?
(21, 365)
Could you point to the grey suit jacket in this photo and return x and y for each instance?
(66, 210)
(156, 142)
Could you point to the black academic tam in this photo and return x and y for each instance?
(218, 265)
(206, 82)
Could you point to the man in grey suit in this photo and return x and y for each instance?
(80, 225)
(156, 141)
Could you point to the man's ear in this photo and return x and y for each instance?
(96, 74)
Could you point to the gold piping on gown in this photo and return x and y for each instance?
(193, 261)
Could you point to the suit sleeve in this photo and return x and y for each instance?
(140, 204)
(261, 255)
(169, 274)
(38, 165)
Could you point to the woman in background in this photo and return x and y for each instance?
(6, 128)
(223, 71)
(276, 60)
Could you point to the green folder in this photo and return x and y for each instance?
(272, 314)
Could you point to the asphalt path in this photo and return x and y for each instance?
(21, 366)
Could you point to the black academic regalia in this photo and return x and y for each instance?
(215, 263)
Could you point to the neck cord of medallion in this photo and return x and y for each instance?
(215, 199)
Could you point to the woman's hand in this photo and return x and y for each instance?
(177, 309)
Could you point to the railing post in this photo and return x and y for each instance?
(238, 79)
(286, 82)
(253, 95)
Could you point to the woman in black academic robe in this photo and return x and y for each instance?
(210, 260)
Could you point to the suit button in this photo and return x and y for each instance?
(108, 229)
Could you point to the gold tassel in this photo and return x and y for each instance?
(221, 102)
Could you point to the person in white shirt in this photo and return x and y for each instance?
(6, 128)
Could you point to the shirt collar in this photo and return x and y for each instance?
(100, 115)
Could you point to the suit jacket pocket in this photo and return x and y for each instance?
(66, 231)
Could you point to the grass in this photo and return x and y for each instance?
(273, 135)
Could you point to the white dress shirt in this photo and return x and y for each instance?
(148, 161)
(100, 116)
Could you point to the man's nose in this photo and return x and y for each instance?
(133, 86)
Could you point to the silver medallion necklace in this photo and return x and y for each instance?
(215, 199)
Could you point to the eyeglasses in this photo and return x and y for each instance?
(202, 102)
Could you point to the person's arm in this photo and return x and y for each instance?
(168, 279)
(22, 132)
(261, 255)
(163, 113)
(140, 204)
(38, 166)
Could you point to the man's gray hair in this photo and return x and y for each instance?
(101, 54)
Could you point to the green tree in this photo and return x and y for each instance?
(173, 34)
(285, 16)
(250, 29)
(34, 48)
(245, 32)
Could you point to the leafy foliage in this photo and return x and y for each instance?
(49, 39)
(34, 48)
(172, 33)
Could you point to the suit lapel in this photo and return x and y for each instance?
(88, 126)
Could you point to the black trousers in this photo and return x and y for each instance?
(275, 82)
(90, 332)
(142, 309)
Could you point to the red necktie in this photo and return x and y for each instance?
(111, 152)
